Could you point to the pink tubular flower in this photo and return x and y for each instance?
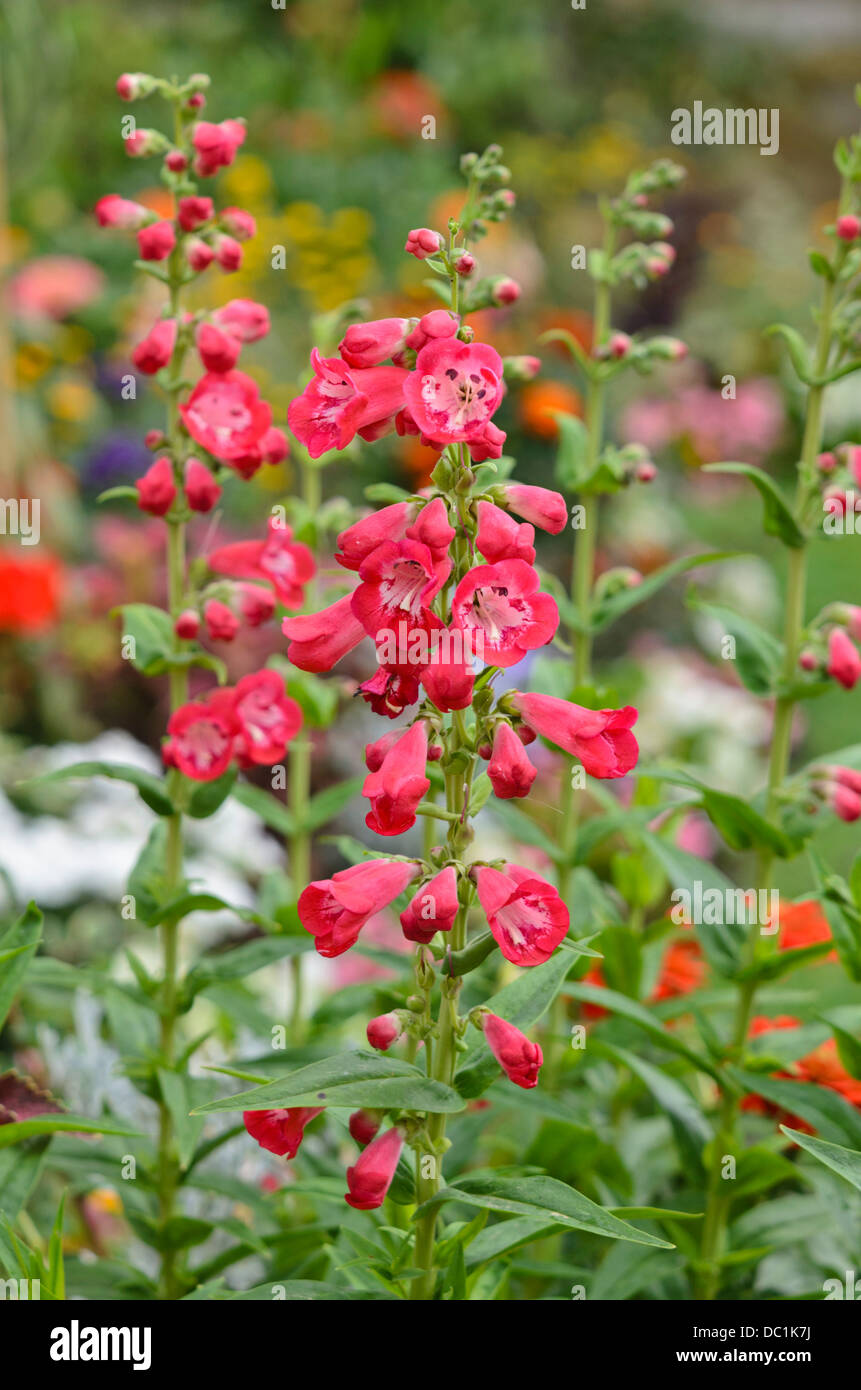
(399, 784)
(156, 241)
(488, 445)
(433, 529)
(848, 227)
(216, 145)
(219, 351)
(439, 323)
(187, 625)
(434, 908)
(363, 1125)
(157, 489)
(244, 318)
(537, 505)
(155, 350)
(335, 909)
(114, 211)
(454, 390)
(600, 738)
(422, 242)
(519, 1058)
(340, 402)
(502, 611)
(359, 540)
(500, 537)
(238, 223)
(280, 1131)
(226, 416)
(506, 291)
(371, 1175)
(201, 490)
(319, 640)
(390, 692)
(222, 623)
(141, 143)
(199, 253)
(510, 771)
(287, 564)
(384, 1030)
(192, 212)
(256, 604)
(268, 719)
(844, 801)
(202, 735)
(525, 913)
(228, 252)
(133, 84)
(369, 344)
(844, 662)
(399, 581)
(449, 679)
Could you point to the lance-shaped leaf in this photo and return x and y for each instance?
(18, 946)
(544, 1200)
(153, 790)
(353, 1079)
(778, 519)
(609, 609)
(846, 1162)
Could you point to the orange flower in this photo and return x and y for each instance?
(682, 970)
(29, 592)
(803, 924)
(538, 400)
(821, 1067)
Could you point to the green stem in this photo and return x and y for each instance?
(299, 782)
(718, 1201)
(167, 1165)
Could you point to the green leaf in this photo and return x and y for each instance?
(842, 916)
(572, 455)
(542, 1199)
(327, 804)
(317, 699)
(147, 884)
(18, 944)
(271, 811)
(243, 960)
(56, 1271)
(690, 1125)
(113, 493)
(176, 1092)
(846, 1162)
(643, 1017)
(353, 1079)
(848, 1047)
(737, 821)
(758, 653)
(153, 634)
(206, 797)
(797, 349)
(55, 1124)
(521, 1003)
(722, 942)
(609, 609)
(825, 1110)
(152, 789)
(778, 519)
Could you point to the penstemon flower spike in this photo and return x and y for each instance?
(431, 607)
(219, 427)
(834, 355)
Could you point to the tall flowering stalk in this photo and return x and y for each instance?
(811, 657)
(447, 590)
(216, 429)
(634, 250)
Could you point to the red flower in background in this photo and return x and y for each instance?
(30, 587)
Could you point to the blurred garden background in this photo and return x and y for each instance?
(335, 170)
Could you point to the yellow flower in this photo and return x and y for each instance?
(71, 401)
